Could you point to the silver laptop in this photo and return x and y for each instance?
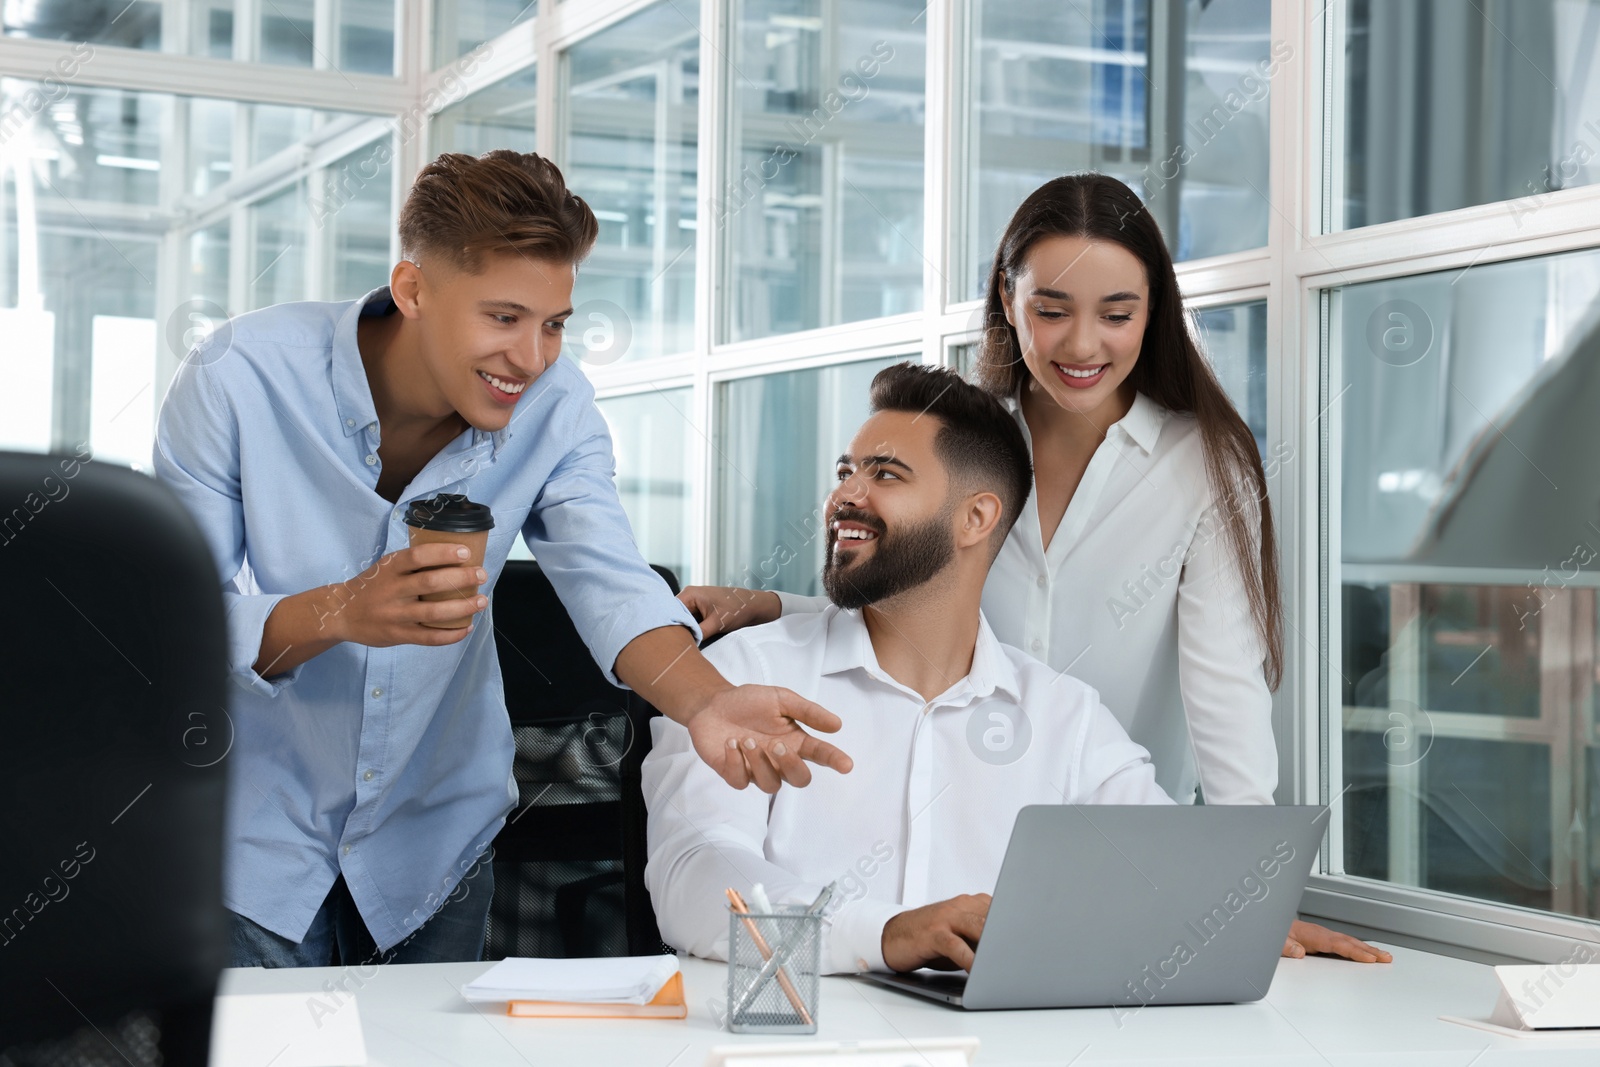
(1131, 906)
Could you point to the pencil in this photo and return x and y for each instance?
(784, 981)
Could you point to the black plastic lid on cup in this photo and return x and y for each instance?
(450, 512)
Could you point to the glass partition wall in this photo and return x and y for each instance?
(1384, 219)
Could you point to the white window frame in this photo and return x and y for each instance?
(1301, 260)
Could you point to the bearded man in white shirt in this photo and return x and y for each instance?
(953, 732)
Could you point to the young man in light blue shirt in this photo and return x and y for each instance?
(372, 753)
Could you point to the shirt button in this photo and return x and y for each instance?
(1043, 581)
(1037, 644)
(377, 691)
(372, 461)
(349, 422)
(347, 850)
(367, 777)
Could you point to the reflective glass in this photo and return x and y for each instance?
(1468, 566)
(1234, 338)
(462, 25)
(632, 100)
(1447, 105)
(83, 209)
(776, 443)
(500, 116)
(650, 436)
(1169, 97)
(356, 211)
(822, 208)
(278, 241)
(284, 30)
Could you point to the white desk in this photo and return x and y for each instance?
(1320, 1012)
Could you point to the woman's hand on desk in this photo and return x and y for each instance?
(1305, 938)
(943, 936)
(720, 609)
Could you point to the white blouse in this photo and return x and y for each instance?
(1139, 597)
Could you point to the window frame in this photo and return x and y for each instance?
(1304, 258)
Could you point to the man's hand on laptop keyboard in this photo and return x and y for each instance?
(1305, 938)
(942, 935)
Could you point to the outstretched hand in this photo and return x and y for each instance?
(752, 733)
(1307, 938)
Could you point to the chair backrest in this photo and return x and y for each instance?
(569, 864)
(112, 764)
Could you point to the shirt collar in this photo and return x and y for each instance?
(352, 393)
(1142, 424)
(849, 647)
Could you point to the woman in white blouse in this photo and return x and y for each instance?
(1144, 562)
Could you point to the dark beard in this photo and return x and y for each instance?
(901, 561)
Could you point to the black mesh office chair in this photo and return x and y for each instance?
(569, 864)
(113, 741)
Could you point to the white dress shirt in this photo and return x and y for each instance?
(927, 811)
(1139, 596)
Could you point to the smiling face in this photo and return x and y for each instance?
(486, 336)
(890, 519)
(1079, 307)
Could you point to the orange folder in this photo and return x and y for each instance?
(668, 1004)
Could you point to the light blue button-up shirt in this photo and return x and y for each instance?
(390, 765)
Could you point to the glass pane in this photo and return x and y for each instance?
(83, 210)
(1234, 338)
(500, 116)
(463, 25)
(633, 94)
(210, 144)
(655, 472)
(1170, 97)
(823, 210)
(284, 29)
(274, 127)
(356, 212)
(207, 275)
(1467, 665)
(366, 36)
(133, 25)
(278, 241)
(1451, 105)
(777, 439)
(287, 27)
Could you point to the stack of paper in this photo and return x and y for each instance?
(612, 987)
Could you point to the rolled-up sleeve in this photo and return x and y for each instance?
(580, 535)
(197, 455)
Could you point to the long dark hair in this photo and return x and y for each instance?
(1170, 369)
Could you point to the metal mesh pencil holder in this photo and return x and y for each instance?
(759, 994)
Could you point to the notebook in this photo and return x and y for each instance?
(667, 1004)
(610, 987)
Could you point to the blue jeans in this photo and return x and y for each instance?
(339, 938)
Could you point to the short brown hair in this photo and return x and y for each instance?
(978, 440)
(462, 207)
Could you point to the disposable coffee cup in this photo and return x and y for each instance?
(452, 519)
